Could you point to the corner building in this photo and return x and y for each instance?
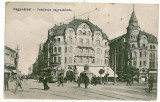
(134, 53)
(71, 46)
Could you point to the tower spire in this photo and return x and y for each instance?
(133, 7)
(88, 16)
(74, 15)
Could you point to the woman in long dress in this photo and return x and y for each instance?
(46, 87)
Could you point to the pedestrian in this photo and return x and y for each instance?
(150, 83)
(60, 80)
(46, 87)
(79, 81)
(6, 79)
(19, 81)
(94, 80)
(128, 81)
(86, 81)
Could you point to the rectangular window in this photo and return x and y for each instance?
(81, 41)
(140, 54)
(144, 63)
(70, 59)
(140, 63)
(134, 63)
(59, 59)
(87, 41)
(65, 49)
(93, 61)
(106, 43)
(59, 40)
(65, 59)
(55, 59)
(144, 45)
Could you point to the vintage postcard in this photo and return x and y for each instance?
(81, 51)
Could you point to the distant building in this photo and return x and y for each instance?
(70, 46)
(135, 52)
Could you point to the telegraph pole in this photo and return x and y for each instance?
(17, 57)
(115, 69)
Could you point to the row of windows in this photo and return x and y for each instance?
(56, 49)
(80, 32)
(135, 63)
(144, 54)
(85, 60)
(152, 46)
(57, 59)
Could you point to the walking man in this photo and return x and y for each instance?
(20, 83)
(6, 79)
(150, 83)
(128, 81)
(60, 80)
(79, 81)
(86, 81)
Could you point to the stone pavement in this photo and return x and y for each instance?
(34, 90)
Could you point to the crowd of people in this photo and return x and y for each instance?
(81, 80)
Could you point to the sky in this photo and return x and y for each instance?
(30, 28)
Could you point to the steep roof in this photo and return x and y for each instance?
(60, 29)
(151, 38)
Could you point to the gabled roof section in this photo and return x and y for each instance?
(151, 38)
(118, 38)
(60, 29)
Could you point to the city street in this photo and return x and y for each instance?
(34, 90)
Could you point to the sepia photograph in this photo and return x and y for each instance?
(81, 51)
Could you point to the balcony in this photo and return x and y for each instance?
(56, 53)
(85, 55)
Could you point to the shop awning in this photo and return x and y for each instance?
(95, 71)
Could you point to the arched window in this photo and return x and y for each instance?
(59, 49)
(150, 46)
(133, 46)
(153, 46)
(55, 49)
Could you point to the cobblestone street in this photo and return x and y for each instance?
(34, 90)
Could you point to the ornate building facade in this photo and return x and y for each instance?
(135, 52)
(71, 46)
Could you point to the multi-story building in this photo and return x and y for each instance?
(9, 60)
(71, 46)
(135, 52)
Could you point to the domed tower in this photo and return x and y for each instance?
(133, 28)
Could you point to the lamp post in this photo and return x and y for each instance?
(115, 69)
(17, 57)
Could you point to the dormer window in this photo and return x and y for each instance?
(84, 33)
(144, 45)
(80, 32)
